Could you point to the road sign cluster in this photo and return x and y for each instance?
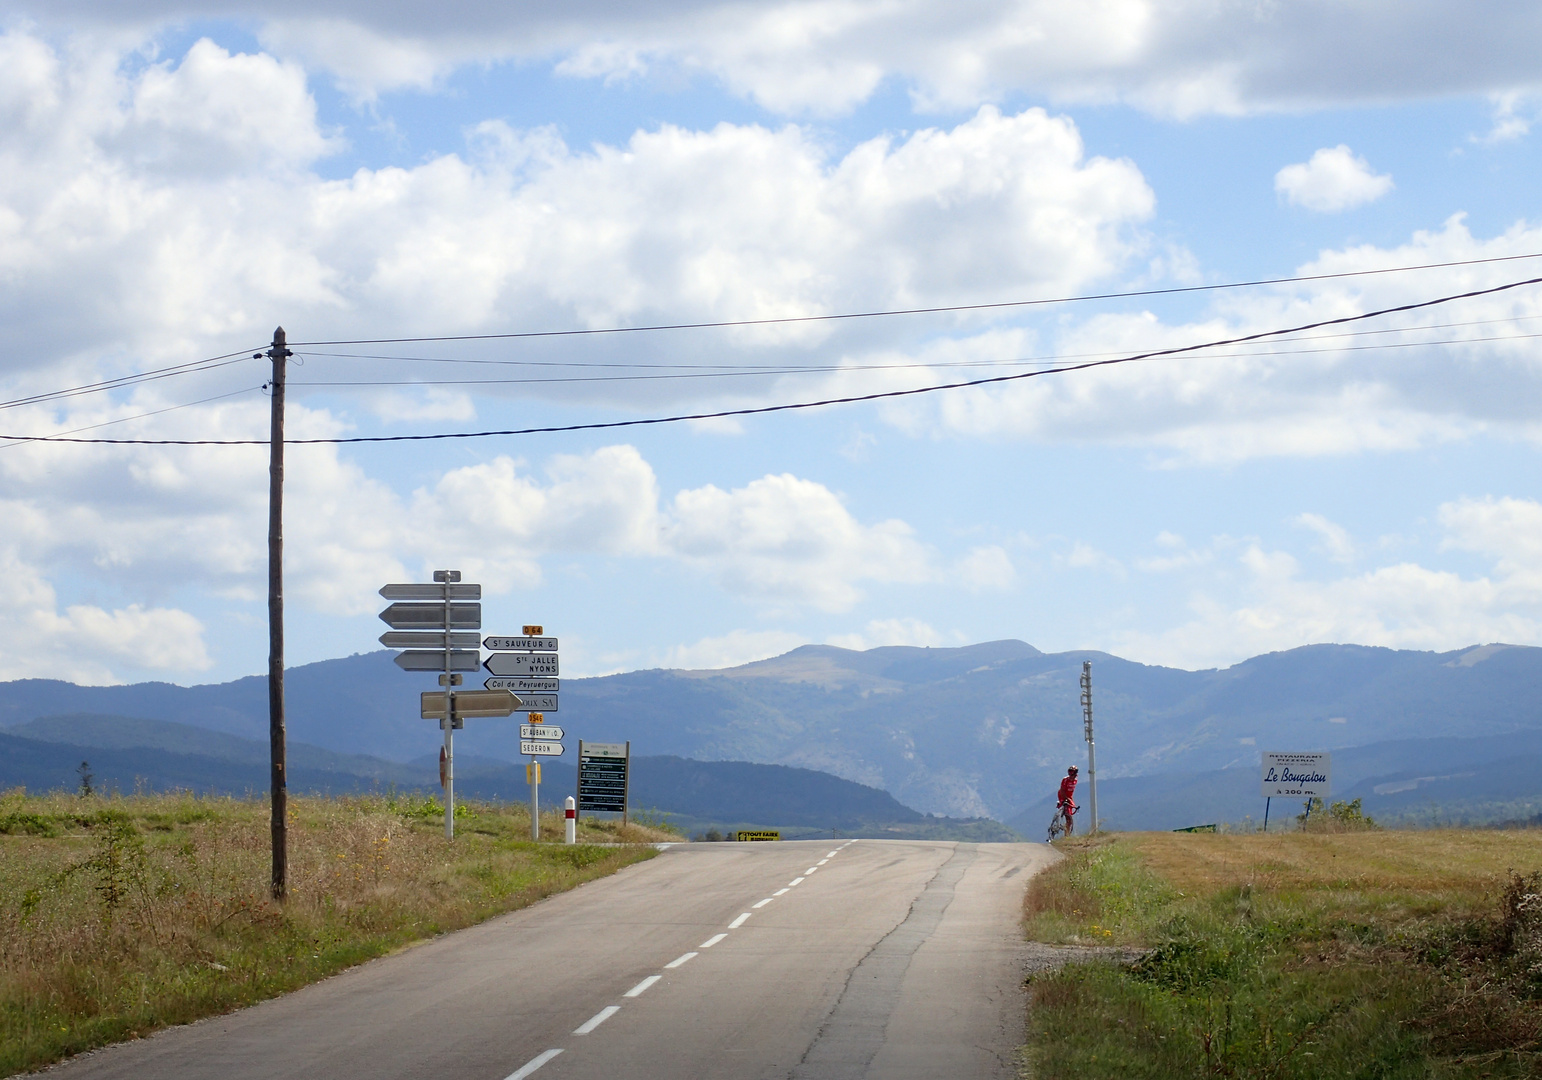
(437, 625)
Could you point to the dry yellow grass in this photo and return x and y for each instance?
(1353, 953)
(1439, 862)
(121, 915)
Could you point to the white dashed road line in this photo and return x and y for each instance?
(637, 990)
(532, 1065)
(611, 1010)
(597, 1019)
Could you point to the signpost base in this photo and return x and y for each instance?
(535, 799)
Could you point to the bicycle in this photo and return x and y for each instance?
(1059, 825)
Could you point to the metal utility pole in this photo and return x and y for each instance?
(1092, 757)
(279, 354)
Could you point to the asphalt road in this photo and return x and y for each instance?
(899, 960)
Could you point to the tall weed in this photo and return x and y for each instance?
(120, 915)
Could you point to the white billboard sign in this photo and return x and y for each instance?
(1301, 775)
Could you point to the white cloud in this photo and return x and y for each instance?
(790, 540)
(881, 632)
(1397, 383)
(1176, 57)
(86, 643)
(1335, 538)
(1507, 529)
(1403, 605)
(1333, 180)
(732, 649)
(1511, 119)
(1084, 556)
(431, 403)
(171, 211)
(987, 568)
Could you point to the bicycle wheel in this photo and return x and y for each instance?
(1056, 827)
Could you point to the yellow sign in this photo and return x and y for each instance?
(534, 631)
(533, 773)
(758, 834)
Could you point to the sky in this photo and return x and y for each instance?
(178, 177)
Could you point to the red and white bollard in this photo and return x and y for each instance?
(570, 812)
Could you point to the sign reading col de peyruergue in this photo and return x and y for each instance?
(1301, 775)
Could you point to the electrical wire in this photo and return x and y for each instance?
(188, 368)
(827, 369)
(939, 310)
(882, 395)
(22, 440)
(714, 370)
(239, 356)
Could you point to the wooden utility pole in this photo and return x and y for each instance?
(279, 354)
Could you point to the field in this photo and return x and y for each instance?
(1364, 953)
(122, 915)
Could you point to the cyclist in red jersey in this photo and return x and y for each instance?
(1064, 799)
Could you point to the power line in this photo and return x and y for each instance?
(940, 310)
(828, 369)
(188, 368)
(213, 362)
(22, 440)
(853, 399)
(713, 370)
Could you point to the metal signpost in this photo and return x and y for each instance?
(425, 618)
(528, 663)
(1092, 757)
(603, 776)
(436, 626)
(1300, 775)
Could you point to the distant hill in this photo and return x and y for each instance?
(1417, 781)
(979, 731)
(126, 754)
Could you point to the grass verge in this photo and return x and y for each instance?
(1350, 954)
(122, 915)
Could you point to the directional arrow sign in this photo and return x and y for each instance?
(521, 664)
(538, 702)
(524, 686)
(540, 731)
(427, 639)
(528, 644)
(540, 749)
(431, 617)
(431, 592)
(460, 660)
(472, 703)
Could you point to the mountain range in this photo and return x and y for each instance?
(981, 731)
(125, 754)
